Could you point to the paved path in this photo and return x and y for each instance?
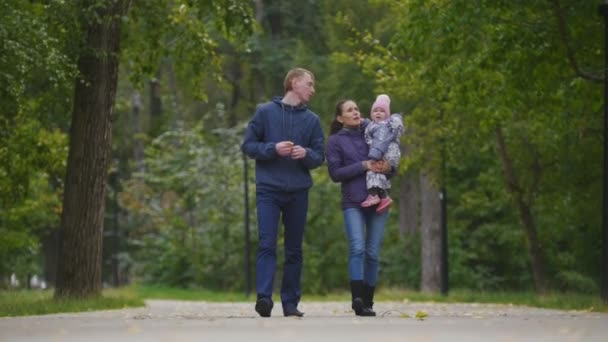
(328, 321)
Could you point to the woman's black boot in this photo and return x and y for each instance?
(356, 291)
(368, 300)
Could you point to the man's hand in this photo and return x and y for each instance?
(284, 148)
(298, 152)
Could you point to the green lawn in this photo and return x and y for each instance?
(23, 303)
(563, 301)
(36, 302)
(163, 292)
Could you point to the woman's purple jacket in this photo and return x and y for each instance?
(346, 150)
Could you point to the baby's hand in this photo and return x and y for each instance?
(380, 166)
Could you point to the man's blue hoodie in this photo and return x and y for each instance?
(274, 122)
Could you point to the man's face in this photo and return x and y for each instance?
(304, 87)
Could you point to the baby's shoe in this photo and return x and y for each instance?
(370, 200)
(384, 204)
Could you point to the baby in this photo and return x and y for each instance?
(382, 135)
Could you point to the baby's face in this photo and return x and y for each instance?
(378, 114)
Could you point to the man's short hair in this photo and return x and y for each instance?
(293, 74)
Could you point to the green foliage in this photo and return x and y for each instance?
(468, 67)
(35, 77)
(31, 58)
(400, 258)
(190, 200)
(325, 245)
(187, 33)
(33, 162)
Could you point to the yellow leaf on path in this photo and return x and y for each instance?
(421, 315)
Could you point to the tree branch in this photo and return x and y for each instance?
(563, 34)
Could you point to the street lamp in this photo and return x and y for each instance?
(247, 252)
(443, 198)
(603, 9)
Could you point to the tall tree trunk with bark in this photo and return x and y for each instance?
(430, 221)
(80, 243)
(138, 150)
(409, 203)
(409, 196)
(525, 214)
(156, 108)
(49, 245)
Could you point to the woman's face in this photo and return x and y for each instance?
(350, 117)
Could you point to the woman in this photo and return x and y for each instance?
(348, 162)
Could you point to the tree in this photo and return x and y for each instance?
(79, 272)
(79, 269)
(430, 228)
(516, 85)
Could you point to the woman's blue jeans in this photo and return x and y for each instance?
(364, 244)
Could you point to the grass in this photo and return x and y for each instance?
(23, 303)
(561, 301)
(163, 292)
(28, 303)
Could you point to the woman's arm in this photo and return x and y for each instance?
(335, 165)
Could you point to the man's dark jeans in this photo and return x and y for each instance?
(293, 207)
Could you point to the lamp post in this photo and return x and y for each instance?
(603, 9)
(247, 253)
(444, 229)
(444, 284)
(114, 183)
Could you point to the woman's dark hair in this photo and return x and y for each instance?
(335, 125)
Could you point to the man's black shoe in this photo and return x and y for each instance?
(263, 306)
(292, 311)
(366, 312)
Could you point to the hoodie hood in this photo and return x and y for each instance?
(299, 108)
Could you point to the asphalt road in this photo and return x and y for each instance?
(329, 321)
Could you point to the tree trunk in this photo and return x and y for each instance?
(49, 250)
(156, 108)
(80, 243)
(525, 214)
(430, 235)
(172, 80)
(235, 76)
(259, 10)
(409, 197)
(409, 202)
(138, 150)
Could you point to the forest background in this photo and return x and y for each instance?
(501, 100)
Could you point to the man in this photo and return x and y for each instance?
(286, 140)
